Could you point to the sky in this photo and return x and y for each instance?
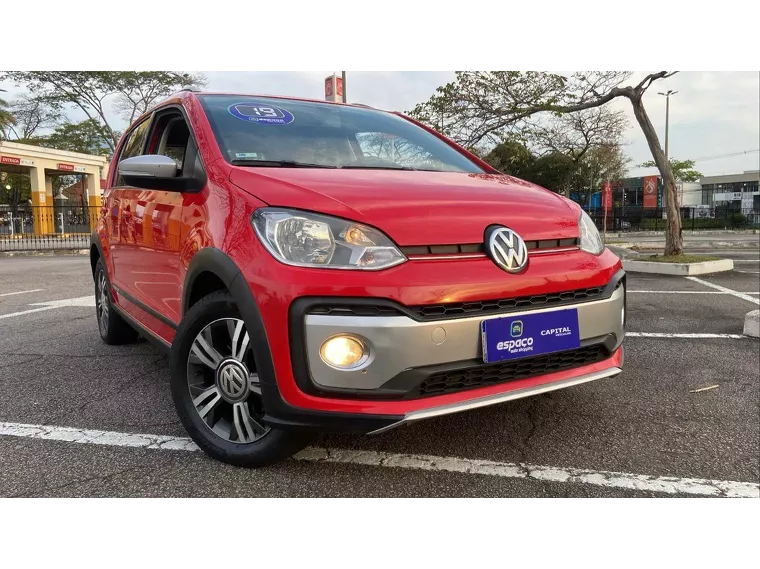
(712, 115)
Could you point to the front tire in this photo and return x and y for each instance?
(216, 388)
(113, 329)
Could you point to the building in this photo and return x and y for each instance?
(42, 165)
(735, 191)
(647, 191)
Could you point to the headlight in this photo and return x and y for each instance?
(308, 239)
(591, 241)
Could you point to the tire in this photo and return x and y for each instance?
(114, 330)
(225, 422)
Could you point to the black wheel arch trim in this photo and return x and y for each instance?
(95, 242)
(277, 412)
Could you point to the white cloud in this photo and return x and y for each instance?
(713, 113)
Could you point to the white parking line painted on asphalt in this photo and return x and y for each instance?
(52, 304)
(736, 293)
(614, 480)
(687, 291)
(21, 292)
(690, 336)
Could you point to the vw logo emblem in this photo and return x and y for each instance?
(232, 381)
(506, 248)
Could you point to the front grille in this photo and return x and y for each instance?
(486, 307)
(482, 375)
(355, 310)
(431, 312)
(465, 248)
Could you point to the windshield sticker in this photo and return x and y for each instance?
(246, 155)
(261, 114)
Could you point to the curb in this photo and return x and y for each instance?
(678, 269)
(752, 324)
(51, 253)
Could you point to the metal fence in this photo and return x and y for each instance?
(24, 228)
(692, 218)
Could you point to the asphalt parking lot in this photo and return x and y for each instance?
(643, 433)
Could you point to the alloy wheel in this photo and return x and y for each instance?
(101, 301)
(223, 383)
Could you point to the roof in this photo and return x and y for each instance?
(186, 92)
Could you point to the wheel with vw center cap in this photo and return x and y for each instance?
(217, 391)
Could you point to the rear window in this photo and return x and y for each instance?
(270, 131)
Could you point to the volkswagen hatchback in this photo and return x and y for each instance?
(318, 266)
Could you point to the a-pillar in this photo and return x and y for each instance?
(42, 201)
(93, 199)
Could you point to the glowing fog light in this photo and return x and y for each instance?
(343, 352)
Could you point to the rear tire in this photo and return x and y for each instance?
(114, 330)
(216, 389)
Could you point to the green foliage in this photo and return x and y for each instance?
(6, 119)
(486, 106)
(557, 171)
(86, 137)
(683, 170)
(20, 190)
(97, 93)
(512, 157)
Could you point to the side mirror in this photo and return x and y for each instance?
(156, 172)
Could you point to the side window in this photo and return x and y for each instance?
(383, 147)
(134, 145)
(171, 137)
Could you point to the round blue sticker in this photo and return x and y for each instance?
(261, 113)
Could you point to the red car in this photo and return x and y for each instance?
(319, 266)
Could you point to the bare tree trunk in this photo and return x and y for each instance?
(673, 237)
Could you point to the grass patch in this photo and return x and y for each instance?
(679, 258)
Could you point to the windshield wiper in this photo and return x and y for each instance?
(279, 164)
(371, 167)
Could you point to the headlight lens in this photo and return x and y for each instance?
(591, 241)
(307, 239)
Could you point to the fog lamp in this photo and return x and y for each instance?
(343, 352)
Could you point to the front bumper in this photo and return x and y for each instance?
(411, 358)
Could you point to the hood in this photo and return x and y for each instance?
(414, 207)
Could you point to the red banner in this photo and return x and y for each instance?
(607, 196)
(9, 160)
(650, 192)
(67, 167)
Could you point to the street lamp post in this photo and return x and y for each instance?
(667, 117)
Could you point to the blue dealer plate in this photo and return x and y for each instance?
(514, 337)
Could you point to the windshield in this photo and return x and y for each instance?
(263, 131)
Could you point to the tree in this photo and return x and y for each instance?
(512, 157)
(30, 115)
(7, 119)
(484, 105)
(683, 170)
(606, 162)
(86, 137)
(94, 93)
(557, 171)
(554, 171)
(576, 134)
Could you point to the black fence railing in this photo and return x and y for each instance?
(24, 228)
(633, 218)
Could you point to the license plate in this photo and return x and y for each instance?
(514, 337)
